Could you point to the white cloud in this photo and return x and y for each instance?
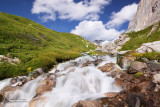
(68, 9)
(95, 30)
(124, 15)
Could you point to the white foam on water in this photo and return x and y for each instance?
(82, 84)
(4, 83)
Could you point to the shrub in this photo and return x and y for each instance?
(137, 75)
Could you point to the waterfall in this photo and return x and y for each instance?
(83, 83)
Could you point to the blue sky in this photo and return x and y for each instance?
(92, 19)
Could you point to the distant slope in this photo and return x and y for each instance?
(35, 45)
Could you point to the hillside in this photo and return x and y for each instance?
(35, 45)
(140, 37)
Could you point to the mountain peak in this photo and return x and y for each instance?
(148, 13)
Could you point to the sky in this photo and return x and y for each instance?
(92, 19)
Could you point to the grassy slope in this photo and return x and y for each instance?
(140, 37)
(35, 45)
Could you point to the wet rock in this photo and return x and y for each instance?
(13, 80)
(88, 104)
(72, 70)
(137, 67)
(114, 73)
(51, 76)
(87, 63)
(57, 71)
(37, 101)
(45, 85)
(111, 94)
(69, 66)
(98, 61)
(37, 72)
(136, 100)
(8, 91)
(126, 61)
(108, 67)
(117, 101)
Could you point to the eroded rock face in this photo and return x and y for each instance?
(148, 13)
(149, 47)
(88, 104)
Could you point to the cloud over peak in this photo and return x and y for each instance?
(95, 30)
(68, 9)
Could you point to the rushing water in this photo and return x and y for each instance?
(82, 84)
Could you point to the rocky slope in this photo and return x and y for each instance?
(148, 13)
(114, 46)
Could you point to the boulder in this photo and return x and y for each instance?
(116, 101)
(98, 61)
(7, 91)
(111, 94)
(1, 97)
(87, 63)
(149, 47)
(153, 66)
(126, 62)
(108, 67)
(136, 100)
(35, 102)
(156, 78)
(137, 67)
(37, 72)
(45, 85)
(90, 103)
(13, 80)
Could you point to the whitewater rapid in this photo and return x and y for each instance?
(85, 83)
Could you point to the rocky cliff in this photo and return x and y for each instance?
(148, 13)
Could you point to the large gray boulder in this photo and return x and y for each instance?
(148, 13)
(137, 67)
(149, 47)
